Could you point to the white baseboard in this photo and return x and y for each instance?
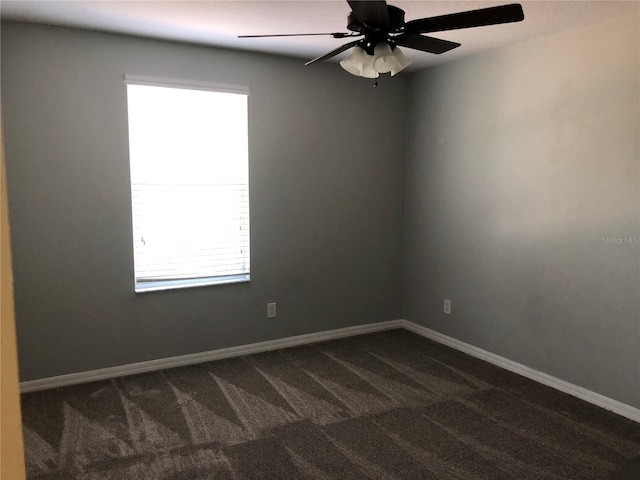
(194, 358)
(607, 403)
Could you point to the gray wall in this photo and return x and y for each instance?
(519, 163)
(326, 185)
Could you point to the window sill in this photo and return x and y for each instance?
(157, 285)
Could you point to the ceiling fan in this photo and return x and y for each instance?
(380, 29)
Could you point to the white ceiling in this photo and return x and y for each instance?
(219, 22)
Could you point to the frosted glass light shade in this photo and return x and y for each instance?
(403, 61)
(354, 62)
(359, 63)
(384, 59)
(368, 70)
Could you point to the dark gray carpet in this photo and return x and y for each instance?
(389, 405)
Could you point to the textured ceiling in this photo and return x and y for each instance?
(219, 22)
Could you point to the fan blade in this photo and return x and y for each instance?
(370, 12)
(472, 18)
(335, 52)
(334, 35)
(426, 44)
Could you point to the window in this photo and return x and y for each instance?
(188, 153)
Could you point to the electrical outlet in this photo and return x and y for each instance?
(271, 310)
(447, 306)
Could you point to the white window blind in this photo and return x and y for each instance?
(188, 150)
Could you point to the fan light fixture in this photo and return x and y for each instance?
(380, 28)
(383, 60)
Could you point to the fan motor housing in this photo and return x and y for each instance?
(396, 22)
